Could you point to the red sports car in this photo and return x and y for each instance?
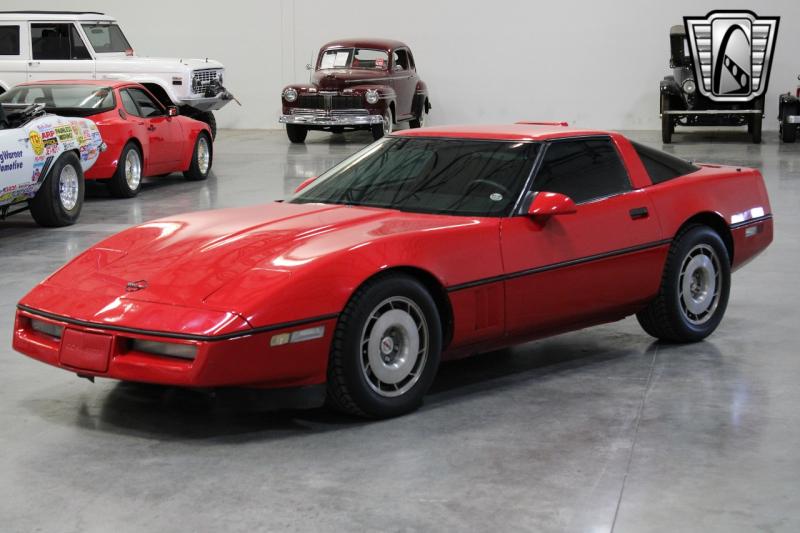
(426, 245)
(143, 137)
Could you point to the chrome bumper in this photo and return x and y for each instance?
(207, 103)
(715, 112)
(793, 119)
(323, 118)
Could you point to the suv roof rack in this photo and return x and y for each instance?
(543, 123)
(32, 12)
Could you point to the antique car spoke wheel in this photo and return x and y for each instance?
(394, 346)
(699, 283)
(133, 169)
(68, 187)
(694, 288)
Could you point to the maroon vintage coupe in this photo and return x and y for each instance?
(357, 84)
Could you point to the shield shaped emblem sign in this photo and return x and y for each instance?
(732, 53)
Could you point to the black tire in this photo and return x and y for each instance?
(755, 128)
(419, 121)
(788, 132)
(668, 316)
(47, 207)
(667, 126)
(379, 130)
(197, 170)
(118, 185)
(351, 387)
(297, 134)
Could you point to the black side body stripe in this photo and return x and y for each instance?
(562, 264)
(166, 334)
(750, 222)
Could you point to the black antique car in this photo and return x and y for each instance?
(682, 104)
(789, 115)
(367, 84)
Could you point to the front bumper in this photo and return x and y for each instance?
(714, 112)
(246, 360)
(313, 117)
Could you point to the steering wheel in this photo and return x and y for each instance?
(481, 181)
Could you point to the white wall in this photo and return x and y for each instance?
(592, 63)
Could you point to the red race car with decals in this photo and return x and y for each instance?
(143, 137)
(427, 245)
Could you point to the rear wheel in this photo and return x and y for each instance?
(788, 132)
(60, 198)
(694, 288)
(201, 159)
(297, 134)
(386, 349)
(419, 121)
(667, 126)
(127, 180)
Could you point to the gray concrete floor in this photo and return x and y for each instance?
(597, 430)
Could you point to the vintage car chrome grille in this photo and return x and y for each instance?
(201, 78)
(329, 101)
(328, 113)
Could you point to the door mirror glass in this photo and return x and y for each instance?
(172, 111)
(547, 204)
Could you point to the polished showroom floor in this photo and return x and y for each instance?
(593, 431)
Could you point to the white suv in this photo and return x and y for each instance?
(59, 45)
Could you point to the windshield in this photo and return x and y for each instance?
(362, 58)
(457, 177)
(106, 38)
(85, 97)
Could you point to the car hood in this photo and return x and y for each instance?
(183, 260)
(133, 64)
(338, 79)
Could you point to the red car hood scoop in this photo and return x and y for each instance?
(181, 260)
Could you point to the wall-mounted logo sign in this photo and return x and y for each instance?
(732, 53)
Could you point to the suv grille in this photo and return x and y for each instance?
(321, 101)
(201, 78)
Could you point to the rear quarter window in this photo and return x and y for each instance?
(662, 166)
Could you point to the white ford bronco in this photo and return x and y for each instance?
(67, 45)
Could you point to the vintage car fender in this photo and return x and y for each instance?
(670, 87)
(421, 98)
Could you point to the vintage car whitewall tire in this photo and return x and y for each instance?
(694, 288)
(386, 348)
(385, 127)
(127, 179)
(296, 133)
(59, 200)
(202, 157)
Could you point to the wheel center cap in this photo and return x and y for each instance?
(387, 345)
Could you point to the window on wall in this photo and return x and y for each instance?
(57, 41)
(9, 40)
(584, 170)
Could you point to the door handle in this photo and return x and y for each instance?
(639, 212)
(33, 63)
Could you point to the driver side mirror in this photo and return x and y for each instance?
(305, 184)
(172, 111)
(547, 204)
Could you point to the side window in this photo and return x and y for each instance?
(584, 170)
(57, 41)
(411, 63)
(662, 166)
(128, 104)
(400, 59)
(147, 106)
(9, 40)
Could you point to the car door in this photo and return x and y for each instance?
(58, 52)
(404, 81)
(13, 55)
(164, 138)
(591, 265)
(16, 163)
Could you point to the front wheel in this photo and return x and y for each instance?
(419, 121)
(694, 288)
(201, 159)
(385, 350)
(127, 180)
(667, 126)
(385, 127)
(755, 128)
(297, 134)
(59, 200)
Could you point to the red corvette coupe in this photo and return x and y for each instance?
(428, 244)
(143, 137)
